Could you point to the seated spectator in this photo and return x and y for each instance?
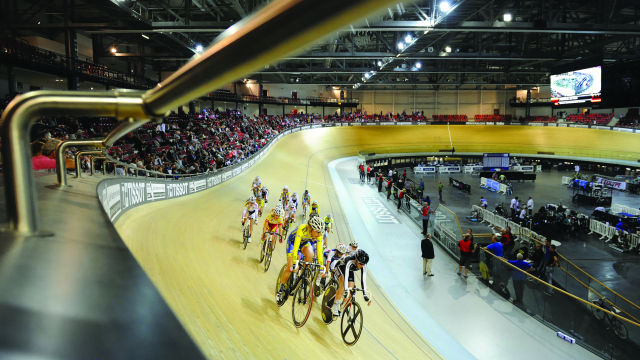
(39, 161)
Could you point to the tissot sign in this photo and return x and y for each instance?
(379, 210)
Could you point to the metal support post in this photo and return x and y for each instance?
(78, 165)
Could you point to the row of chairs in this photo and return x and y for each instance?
(450, 118)
(595, 119)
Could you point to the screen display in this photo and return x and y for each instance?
(576, 87)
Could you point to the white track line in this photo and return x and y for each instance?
(313, 182)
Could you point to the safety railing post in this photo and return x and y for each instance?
(79, 165)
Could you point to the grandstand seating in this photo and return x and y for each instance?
(593, 119)
(540, 119)
(450, 118)
(491, 118)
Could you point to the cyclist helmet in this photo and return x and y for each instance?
(251, 199)
(315, 202)
(279, 206)
(264, 188)
(306, 191)
(341, 248)
(354, 243)
(316, 224)
(362, 257)
(257, 177)
(329, 216)
(286, 187)
(295, 193)
(278, 211)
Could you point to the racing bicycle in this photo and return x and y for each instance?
(301, 288)
(304, 210)
(618, 327)
(266, 250)
(352, 319)
(245, 232)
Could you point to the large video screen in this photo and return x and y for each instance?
(574, 87)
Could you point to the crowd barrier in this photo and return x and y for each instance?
(617, 208)
(498, 221)
(494, 185)
(605, 231)
(424, 169)
(469, 169)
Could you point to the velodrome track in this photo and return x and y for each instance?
(191, 247)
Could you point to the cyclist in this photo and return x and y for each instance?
(301, 238)
(331, 257)
(314, 208)
(284, 197)
(273, 223)
(294, 199)
(260, 203)
(255, 185)
(354, 247)
(328, 225)
(250, 211)
(291, 214)
(345, 269)
(306, 198)
(265, 194)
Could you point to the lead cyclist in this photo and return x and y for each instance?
(301, 238)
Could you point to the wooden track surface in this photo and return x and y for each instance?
(191, 247)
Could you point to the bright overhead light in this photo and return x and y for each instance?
(426, 31)
(113, 50)
(418, 65)
(407, 38)
(367, 75)
(447, 49)
(379, 63)
(445, 6)
(198, 48)
(145, 36)
(57, 79)
(400, 46)
(507, 17)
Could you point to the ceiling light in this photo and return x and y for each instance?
(113, 50)
(407, 38)
(367, 75)
(400, 46)
(418, 65)
(379, 63)
(57, 79)
(91, 88)
(145, 36)
(507, 17)
(426, 31)
(445, 6)
(198, 48)
(447, 49)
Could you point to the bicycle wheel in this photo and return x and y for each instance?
(263, 247)
(245, 234)
(285, 295)
(351, 324)
(302, 302)
(267, 257)
(619, 329)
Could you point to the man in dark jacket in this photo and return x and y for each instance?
(389, 186)
(427, 255)
(380, 181)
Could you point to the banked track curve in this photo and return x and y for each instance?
(191, 247)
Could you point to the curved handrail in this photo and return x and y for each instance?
(15, 125)
(78, 165)
(60, 156)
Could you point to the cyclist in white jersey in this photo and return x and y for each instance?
(353, 247)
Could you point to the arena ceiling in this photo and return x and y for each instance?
(472, 43)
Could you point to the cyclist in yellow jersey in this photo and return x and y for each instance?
(314, 208)
(302, 238)
(273, 223)
(285, 195)
(260, 203)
